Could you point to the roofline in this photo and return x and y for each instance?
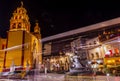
(83, 29)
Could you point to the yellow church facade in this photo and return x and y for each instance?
(21, 47)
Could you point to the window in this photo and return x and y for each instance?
(97, 55)
(19, 25)
(13, 26)
(92, 56)
(3, 46)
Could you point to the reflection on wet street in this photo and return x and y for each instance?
(40, 77)
(62, 77)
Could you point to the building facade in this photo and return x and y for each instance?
(21, 46)
(91, 40)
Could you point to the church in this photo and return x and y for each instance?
(21, 47)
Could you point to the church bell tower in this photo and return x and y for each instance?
(19, 39)
(23, 47)
(37, 30)
(20, 20)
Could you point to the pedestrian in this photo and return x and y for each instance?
(57, 66)
(42, 68)
(27, 67)
(39, 67)
(45, 70)
(114, 72)
(100, 72)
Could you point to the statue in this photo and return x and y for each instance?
(79, 64)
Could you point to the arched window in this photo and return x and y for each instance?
(92, 56)
(19, 25)
(20, 17)
(15, 17)
(97, 55)
(13, 26)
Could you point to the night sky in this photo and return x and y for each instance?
(59, 15)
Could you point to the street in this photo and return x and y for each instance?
(40, 77)
(49, 77)
(61, 77)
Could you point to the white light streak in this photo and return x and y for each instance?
(15, 47)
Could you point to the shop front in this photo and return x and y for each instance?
(58, 63)
(112, 55)
(95, 53)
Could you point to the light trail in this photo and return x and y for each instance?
(15, 47)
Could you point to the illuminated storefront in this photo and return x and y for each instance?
(112, 52)
(57, 53)
(95, 53)
(57, 63)
(95, 36)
